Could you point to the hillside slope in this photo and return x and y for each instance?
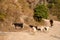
(19, 11)
(13, 10)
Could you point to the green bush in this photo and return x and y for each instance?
(40, 12)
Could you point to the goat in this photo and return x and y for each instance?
(38, 28)
(41, 28)
(51, 22)
(33, 27)
(46, 28)
(18, 25)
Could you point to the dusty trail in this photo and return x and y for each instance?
(52, 34)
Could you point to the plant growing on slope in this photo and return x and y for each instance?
(40, 12)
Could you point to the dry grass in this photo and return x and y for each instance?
(14, 10)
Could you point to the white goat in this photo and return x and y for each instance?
(34, 29)
(40, 28)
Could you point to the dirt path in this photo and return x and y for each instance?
(52, 34)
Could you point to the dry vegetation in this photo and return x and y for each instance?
(13, 11)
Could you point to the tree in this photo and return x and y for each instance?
(40, 12)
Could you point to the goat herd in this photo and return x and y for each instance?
(42, 28)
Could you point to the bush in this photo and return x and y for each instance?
(40, 12)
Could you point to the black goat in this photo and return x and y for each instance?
(51, 22)
(31, 26)
(18, 25)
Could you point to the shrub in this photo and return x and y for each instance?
(40, 12)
